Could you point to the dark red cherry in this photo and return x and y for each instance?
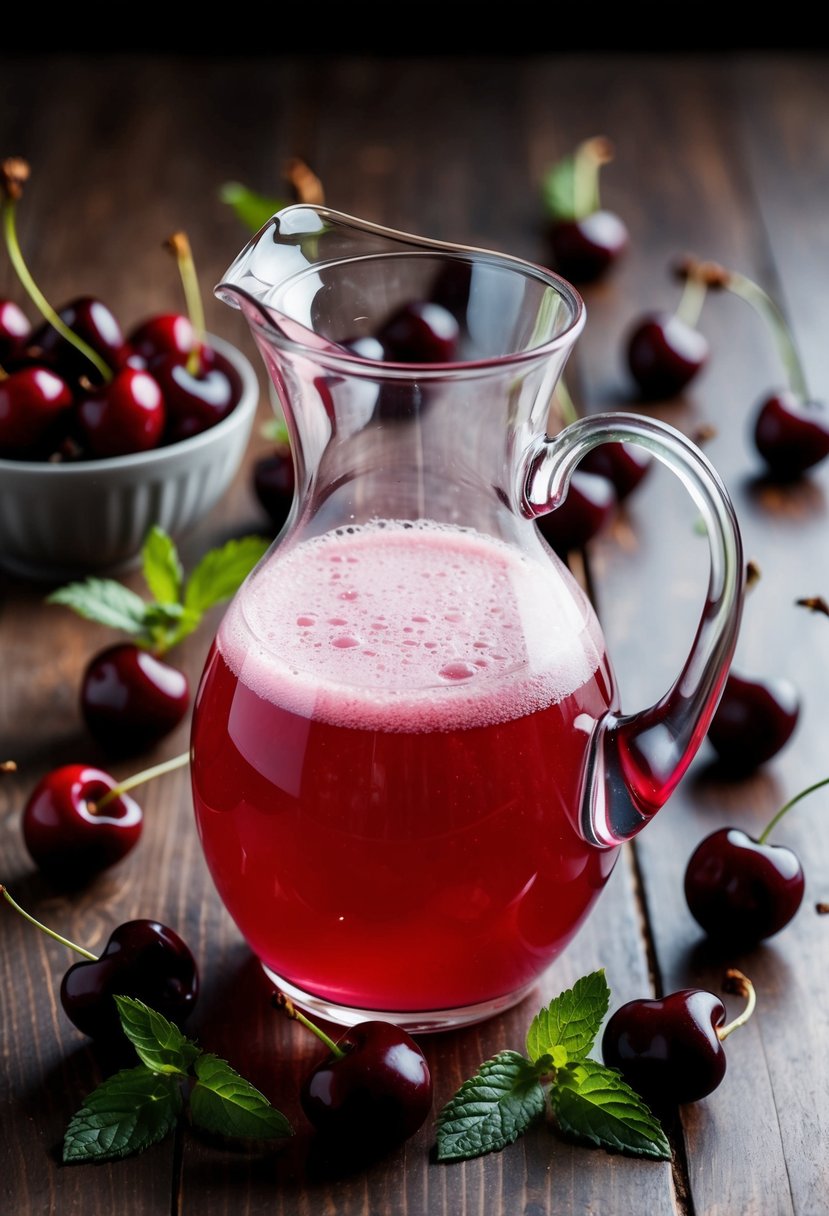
(668, 1049)
(753, 721)
(195, 400)
(420, 332)
(68, 837)
(143, 959)
(34, 404)
(273, 484)
(791, 435)
(584, 249)
(91, 320)
(127, 414)
(624, 464)
(741, 891)
(589, 506)
(375, 1093)
(130, 699)
(165, 334)
(664, 353)
(14, 329)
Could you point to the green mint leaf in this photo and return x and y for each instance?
(126, 1114)
(221, 571)
(566, 1029)
(594, 1103)
(254, 210)
(225, 1103)
(276, 429)
(162, 568)
(160, 1045)
(103, 600)
(491, 1109)
(558, 190)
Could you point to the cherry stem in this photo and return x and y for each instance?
(147, 774)
(304, 182)
(587, 160)
(735, 981)
(35, 294)
(689, 308)
(763, 304)
(179, 245)
(8, 766)
(93, 958)
(283, 1002)
(788, 806)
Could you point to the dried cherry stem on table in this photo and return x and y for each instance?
(147, 774)
(14, 172)
(740, 984)
(64, 941)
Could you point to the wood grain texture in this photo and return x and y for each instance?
(720, 155)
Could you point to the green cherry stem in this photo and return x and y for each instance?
(788, 806)
(736, 982)
(587, 161)
(13, 174)
(763, 304)
(147, 774)
(283, 1002)
(179, 246)
(694, 290)
(64, 941)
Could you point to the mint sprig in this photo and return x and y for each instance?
(178, 603)
(252, 209)
(140, 1106)
(584, 1099)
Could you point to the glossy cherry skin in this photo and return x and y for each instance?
(376, 1095)
(664, 353)
(740, 891)
(169, 333)
(624, 464)
(752, 722)
(420, 332)
(14, 329)
(91, 320)
(143, 959)
(130, 699)
(35, 403)
(668, 1049)
(195, 401)
(589, 506)
(128, 414)
(66, 837)
(584, 249)
(274, 483)
(791, 435)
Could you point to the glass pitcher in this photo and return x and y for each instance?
(410, 768)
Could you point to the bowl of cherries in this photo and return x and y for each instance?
(105, 430)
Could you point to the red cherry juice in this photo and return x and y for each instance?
(388, 744)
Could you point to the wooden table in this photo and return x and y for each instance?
(725, 156)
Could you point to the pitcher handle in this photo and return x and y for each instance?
(635, 761)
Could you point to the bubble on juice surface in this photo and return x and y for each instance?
(439, 604)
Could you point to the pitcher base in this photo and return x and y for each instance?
(416, 1021)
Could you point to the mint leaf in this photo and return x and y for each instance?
(594, 1103)
(221, 571)
(491, 1109)
(566, 1029)
(225, 1103)
(160, 1045)
(254, 210)
(162, 568)
(125, 1114)
(103, 600)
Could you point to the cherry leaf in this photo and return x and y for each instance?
(126, 1114)
(593, 1103)
(566, 1029)
(225, 1103)
(491, 1109)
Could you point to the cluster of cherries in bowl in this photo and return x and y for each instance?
(75, 386)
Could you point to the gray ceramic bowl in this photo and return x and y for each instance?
(62, 521)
